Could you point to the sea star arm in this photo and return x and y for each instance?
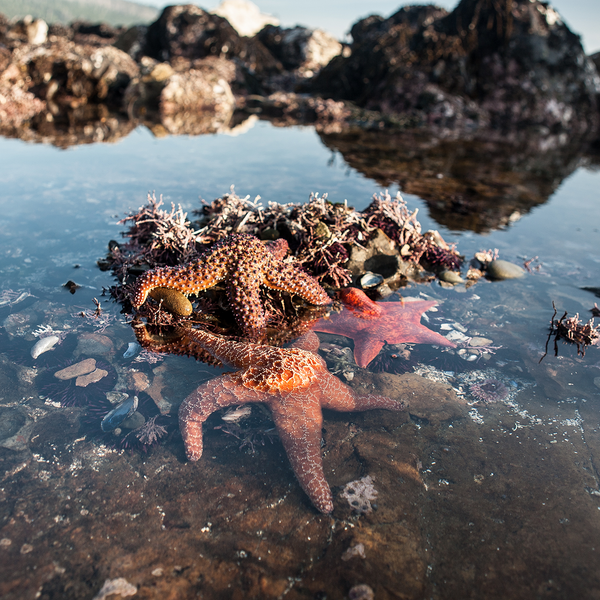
(220, 392)
(336, 395)
(286, 277)
(187, 279)
(299, 422)
(244, 296)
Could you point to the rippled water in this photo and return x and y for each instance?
(474, 499)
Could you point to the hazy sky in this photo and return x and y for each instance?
(337, 16)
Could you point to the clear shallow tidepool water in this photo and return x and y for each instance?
(474, 499)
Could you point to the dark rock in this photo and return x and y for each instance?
(506, 64)
(299, 48)
(190, 33)
(132, 41)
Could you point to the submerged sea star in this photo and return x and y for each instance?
(245, 264)
(371, 325)
(294, 383)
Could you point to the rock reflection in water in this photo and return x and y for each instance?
(468, 183)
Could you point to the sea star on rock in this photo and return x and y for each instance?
(244, 263)
(371, 325)
(294, 383)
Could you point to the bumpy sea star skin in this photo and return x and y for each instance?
(245, 264)
(371, 325)
(294, 383)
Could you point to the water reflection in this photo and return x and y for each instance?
(468, 183)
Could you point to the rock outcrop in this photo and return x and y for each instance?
(506, 64)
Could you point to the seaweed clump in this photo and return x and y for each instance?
(572, 330)
(321, 235)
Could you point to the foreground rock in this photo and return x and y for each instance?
(504, 65)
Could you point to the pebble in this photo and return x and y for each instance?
(502, 269)
(172, 300)
(93, 377)
(456, 336)
(43, 345)
(81, 368)
(134, 421)
(451, 277)
(94, 344)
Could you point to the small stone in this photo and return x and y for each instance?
(172, 300)
(361, 592)
(134, 421)
(93, 377)
(476, 342)
(502, 269)
(81, 368)
(94, 344)
(451, 277)
(26, 548)
(138, 381)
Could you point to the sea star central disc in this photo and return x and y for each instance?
(244, 263)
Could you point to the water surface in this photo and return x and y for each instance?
(474, 499)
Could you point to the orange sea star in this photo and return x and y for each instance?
(372, 324)
(244, 263)
(294, 383)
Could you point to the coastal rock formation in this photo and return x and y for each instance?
(192, 100)
(300, 49)
(244, 16)
(506, 64)
(188, 32)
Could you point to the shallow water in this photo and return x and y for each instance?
(474, 499)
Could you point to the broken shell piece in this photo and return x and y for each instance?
(81, 368)
(93, 377)
(117, 415)
(475, 342)
(43, 345)
(172, 300)
(132, 349)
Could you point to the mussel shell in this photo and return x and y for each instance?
(117, 415)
